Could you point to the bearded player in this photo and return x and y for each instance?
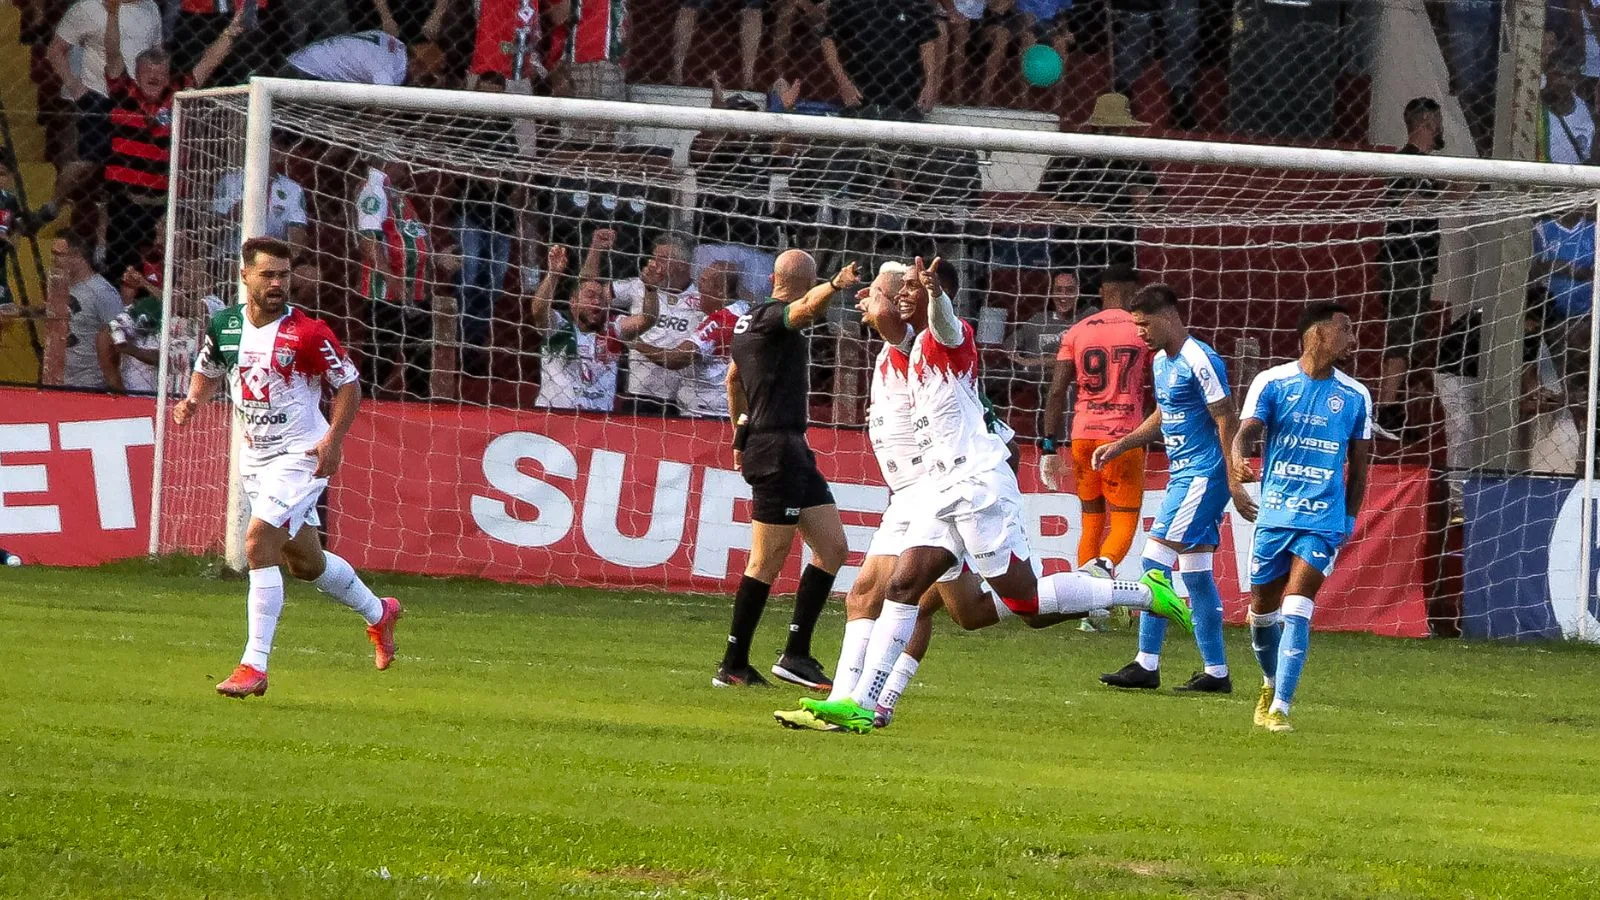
(966, 504)
(1314, 423)
(276, 360)
(1196, 419)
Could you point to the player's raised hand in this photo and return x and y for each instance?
(929, 277)
(329, 454)
(183, 411)
(555, 261)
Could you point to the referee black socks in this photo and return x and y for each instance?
(748, 605)
(815, 586)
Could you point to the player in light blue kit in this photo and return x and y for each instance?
(1195, 417)
(1315, 424)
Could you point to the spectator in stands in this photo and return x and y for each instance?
(1104, 188)
(509, 41)
(485, 218)
(652, 388)
(368, 57)
(15, 222)
(396, 281)
(130, 345)
(1019, 23)
(587, 44)
(1473, 41)
(701, 356)
(579, 360)
(955, 33)
(141, 138)
(411, 20)
(194, 25)
(1408, 260)
(1034, 343)
(81, 303)
(736, 218)
(1133, 23)
(882, 55)
(78, 56)
(1460, 387)
(683, 29)
(1563, 260)
(286, 201)
(1567, 125)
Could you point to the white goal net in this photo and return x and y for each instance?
(503, 440)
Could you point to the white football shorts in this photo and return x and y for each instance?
(283, 492)
(978, 518)
(890, 538)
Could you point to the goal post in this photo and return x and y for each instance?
(1247, 229)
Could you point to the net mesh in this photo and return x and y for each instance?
(428, 235)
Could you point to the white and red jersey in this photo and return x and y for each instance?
(703, 392)
(891, 412)
(578, 368)
(951, 421)
(275, 374)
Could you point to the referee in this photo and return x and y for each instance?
(768, 398)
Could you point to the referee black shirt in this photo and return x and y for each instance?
(774, 368)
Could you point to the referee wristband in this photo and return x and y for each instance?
(740, 432)
(1047, 445)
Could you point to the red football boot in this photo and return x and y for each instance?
(382, 634)
(244, 681)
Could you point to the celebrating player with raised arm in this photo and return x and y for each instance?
(276, 360)
(968, 504)
(1196, 419)
(769, 389)
(1315, 426)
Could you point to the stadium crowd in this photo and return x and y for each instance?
(437, 280)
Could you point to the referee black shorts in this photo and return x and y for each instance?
(783, 477)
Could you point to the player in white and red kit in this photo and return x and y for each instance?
(276, 361)
(963, 503)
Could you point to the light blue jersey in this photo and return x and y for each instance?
(1309, 426)
(1185, 385)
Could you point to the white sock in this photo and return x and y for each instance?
(1130, 594)
(1217, 671)
(904, 669)
(265, 605)
(1278, 706)
(1148, 661)
(889, 637)
(1073, 593)
(339, 581)
(857, 632)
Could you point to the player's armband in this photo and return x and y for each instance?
(741, 431)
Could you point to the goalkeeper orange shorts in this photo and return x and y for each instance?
(1121, 482)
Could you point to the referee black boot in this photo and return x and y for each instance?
(804, 671)
(1201, 683)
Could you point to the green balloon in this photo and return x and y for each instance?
(1041, 65)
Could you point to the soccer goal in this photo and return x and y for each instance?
(525, 442)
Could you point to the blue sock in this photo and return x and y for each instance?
(1153, 628)
(1292, 650)
(1206, 603)
(1266, 632)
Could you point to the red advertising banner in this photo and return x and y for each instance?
(537, 497)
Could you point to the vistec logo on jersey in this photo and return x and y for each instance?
(1291, 442)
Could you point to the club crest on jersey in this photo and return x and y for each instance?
(1336, 403)
(283, 356)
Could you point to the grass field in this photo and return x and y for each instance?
(567, 743)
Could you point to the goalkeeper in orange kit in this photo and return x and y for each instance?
(1103, 364)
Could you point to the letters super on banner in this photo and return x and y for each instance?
(540, 497)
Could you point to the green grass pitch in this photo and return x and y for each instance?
(562, 743)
